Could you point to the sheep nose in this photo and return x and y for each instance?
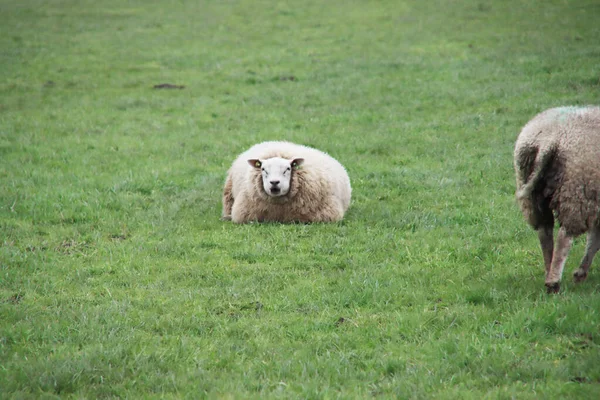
(274, 183)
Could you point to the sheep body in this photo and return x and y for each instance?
(319, 190)
(557, 165)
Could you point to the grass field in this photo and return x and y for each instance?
(118, 279)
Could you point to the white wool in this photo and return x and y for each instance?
(318, 191)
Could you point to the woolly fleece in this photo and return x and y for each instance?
(557, 164)
(320, 189)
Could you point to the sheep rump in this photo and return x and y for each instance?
(319, 190)
(557, 166)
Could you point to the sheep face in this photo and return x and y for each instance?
(276, 174)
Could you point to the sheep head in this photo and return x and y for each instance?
(276, 174)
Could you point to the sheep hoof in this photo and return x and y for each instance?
(226, 218)
(579, 276)
(552, 287)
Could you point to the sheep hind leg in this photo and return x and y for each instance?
(546, 236)
(592, 247)
(559, 258)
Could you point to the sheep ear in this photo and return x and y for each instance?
(297, 163)
(255, 162)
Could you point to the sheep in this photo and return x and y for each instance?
(557, 165)
(285, 182)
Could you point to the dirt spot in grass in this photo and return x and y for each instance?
(345, 321)
(49, 84)
(168, 86)
(255, 305)
(67, 244)
(580, 379)
(307, 309)
(287, 78)
(70, 246)
(379, 149)
(583, 341)
(15, 298)
(33, 249)
(118, 237)
(236, 310)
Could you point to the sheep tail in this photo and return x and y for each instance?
(532, 164)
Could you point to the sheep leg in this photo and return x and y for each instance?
(559, 257)
(546, 236)
(331, 211)
(239, 211)
(592, 247)
(227, 199)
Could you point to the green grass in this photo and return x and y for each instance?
(117, 278)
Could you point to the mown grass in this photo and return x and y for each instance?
(117, 278)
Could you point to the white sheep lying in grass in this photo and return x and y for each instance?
(285, 182)
(557, 163)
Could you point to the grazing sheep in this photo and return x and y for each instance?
(557, 163)
(285, 182)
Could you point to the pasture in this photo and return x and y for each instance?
(119, 280)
